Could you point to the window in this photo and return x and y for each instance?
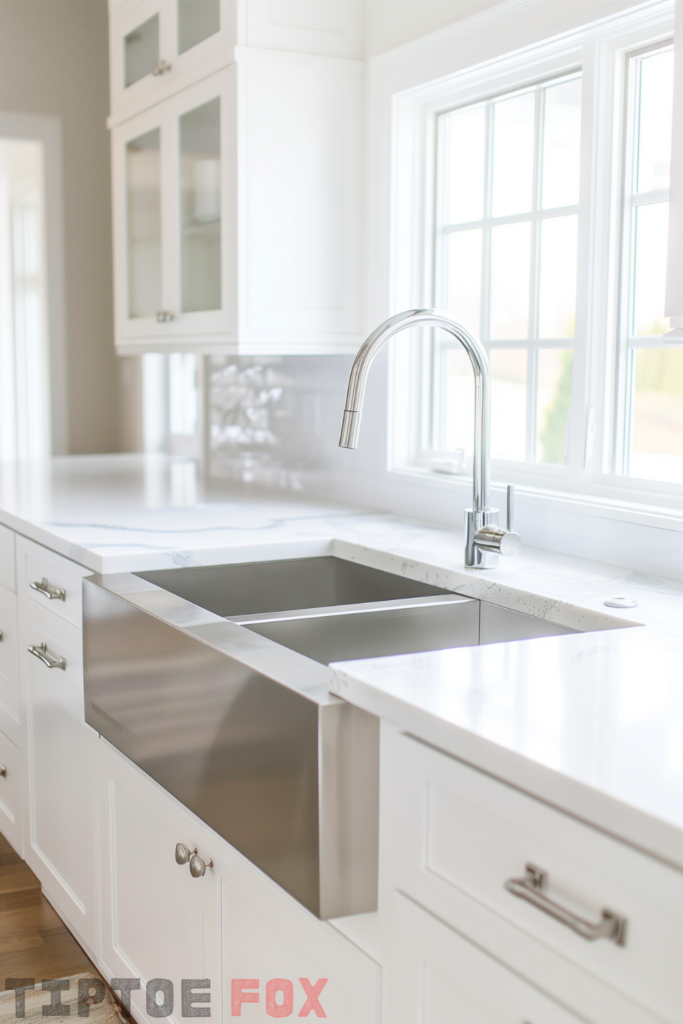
(545, 232)
(506, 238)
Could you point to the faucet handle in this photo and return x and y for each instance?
(511, 508)
(495, 539)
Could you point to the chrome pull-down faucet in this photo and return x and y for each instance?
(484, 539)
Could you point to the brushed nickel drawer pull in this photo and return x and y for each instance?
(41, 652)
(49, 591)
(1, 636)
(3, 771)
(530, 888)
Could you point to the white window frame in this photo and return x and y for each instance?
(617, 453)
(601, 50)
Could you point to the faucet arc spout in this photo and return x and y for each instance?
(360, 370)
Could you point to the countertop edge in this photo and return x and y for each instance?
(625, 822)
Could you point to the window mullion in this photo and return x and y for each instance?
(486, 231)
(534, 282)
(624, 382)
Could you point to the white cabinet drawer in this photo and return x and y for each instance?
(7, 569)
(11, 790)
(435, 976)
(474, 833)
(47, 582)
(10, 706)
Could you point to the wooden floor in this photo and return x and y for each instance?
(34, 943)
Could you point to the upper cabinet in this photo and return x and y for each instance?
(236, 194)
(174, 227)
(160, 46)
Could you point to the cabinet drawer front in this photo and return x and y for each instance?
(11, 790)
(435, 975)
(49, 586)
(475, 834)
(10, 706)
(7, 567)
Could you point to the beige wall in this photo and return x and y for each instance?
(391, 23)
(54, 60)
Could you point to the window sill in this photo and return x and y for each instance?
(658, 516)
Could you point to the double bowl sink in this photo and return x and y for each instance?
(215, 681)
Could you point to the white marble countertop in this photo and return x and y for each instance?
(592, 723)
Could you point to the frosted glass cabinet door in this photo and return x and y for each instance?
(141, 51)
(142, 234)
(143, 206)
(159, 46)
(200, 207)
(174, 231)
(197, 20)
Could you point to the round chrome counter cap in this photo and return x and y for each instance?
(621, 602)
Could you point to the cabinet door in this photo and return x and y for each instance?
(158, 921)
(434, 975)
(10, 711)
(174, 222)
(7, 566)
(158, 47)
(300, 163)
(60, 843)
(12, 772)
(279, 960)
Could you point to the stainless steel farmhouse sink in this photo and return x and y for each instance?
(214, 681)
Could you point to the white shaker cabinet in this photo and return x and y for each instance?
(237, 209)
(301, 966)
(12, 763)
(10, 697)
(173, 232)
(7, 560)
(232, 927)
(12, 772)
(158, 921)
(60, 834)
(57, 746)
(158, 47)
(435, 976)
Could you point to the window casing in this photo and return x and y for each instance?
(648, 437)
(586, 452)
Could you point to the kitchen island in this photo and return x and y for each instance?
(562, 751)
